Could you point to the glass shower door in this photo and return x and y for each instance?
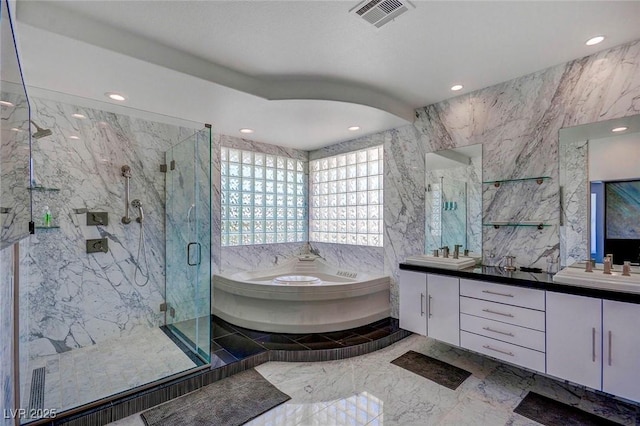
(188, 246)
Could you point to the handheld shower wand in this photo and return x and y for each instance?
(138, 205)
(142, 248)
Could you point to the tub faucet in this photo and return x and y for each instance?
(456, 251)
(445, 251)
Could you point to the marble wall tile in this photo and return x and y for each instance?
(6, 333)
(404, 203)
(574, 190)
(517, 122)
(77, 299)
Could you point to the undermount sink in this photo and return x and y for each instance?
(442, 262)
(597, 279)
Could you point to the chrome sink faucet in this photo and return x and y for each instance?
(445, 251)
(607, 265)
(456, 251)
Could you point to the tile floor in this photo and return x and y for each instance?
(86, 374)
(369, 390)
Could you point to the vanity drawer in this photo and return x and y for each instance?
(532, 339)
(515, 315)
(512, 295)
(524, 357)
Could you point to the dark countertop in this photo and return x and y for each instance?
(539, 280)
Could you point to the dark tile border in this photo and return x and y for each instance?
(116, 408)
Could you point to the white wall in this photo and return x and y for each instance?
(614, 158)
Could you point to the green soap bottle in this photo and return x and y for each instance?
(46, 219)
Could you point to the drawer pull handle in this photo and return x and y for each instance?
(497, 294)
(497, 331)
(497, 350)
(497, 313)
(593, 344)
(609, 347)
(421, 304)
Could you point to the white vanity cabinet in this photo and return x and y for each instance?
(443, 308)
(621, 349)
(429, 305)
(574, 338)
(595, 343)
(413, 292)
(502, 321)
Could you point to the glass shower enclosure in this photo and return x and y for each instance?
(188, 244)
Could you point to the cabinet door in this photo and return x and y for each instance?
(443, 308)
(621, 358)
(413, 294)
(574, 338)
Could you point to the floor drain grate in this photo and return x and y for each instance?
(36, 396)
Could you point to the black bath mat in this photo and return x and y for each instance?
(551, 412)
(229, 402)
(433, 369)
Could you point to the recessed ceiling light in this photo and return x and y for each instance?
(457, 87)
(74, 137)
(247, 131)
(115, 96)
(80, 116)
(619, 129)
(6, 103)
(594, 40)
(354, 128)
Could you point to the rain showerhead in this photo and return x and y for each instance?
(41, 133)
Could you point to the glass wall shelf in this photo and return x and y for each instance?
(43, 189)
(537, 179)
(538, 225)
(48, 227)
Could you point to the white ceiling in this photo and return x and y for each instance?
(301, 72)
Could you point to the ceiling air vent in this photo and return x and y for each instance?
(380, 12)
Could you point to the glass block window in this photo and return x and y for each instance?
(346, 198)
(264, 198)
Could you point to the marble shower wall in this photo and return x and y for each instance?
(242, 258)
(517, 122)
(6, 333)
(75, 299)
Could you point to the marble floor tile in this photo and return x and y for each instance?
(86, 374)
(369, 390)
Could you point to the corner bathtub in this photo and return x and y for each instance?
(304, 295)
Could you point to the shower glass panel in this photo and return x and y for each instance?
(188, 245)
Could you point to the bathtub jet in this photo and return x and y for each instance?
(303, 295)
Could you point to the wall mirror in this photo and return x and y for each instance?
(454, 199)
(15, 199)
(600, 191)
